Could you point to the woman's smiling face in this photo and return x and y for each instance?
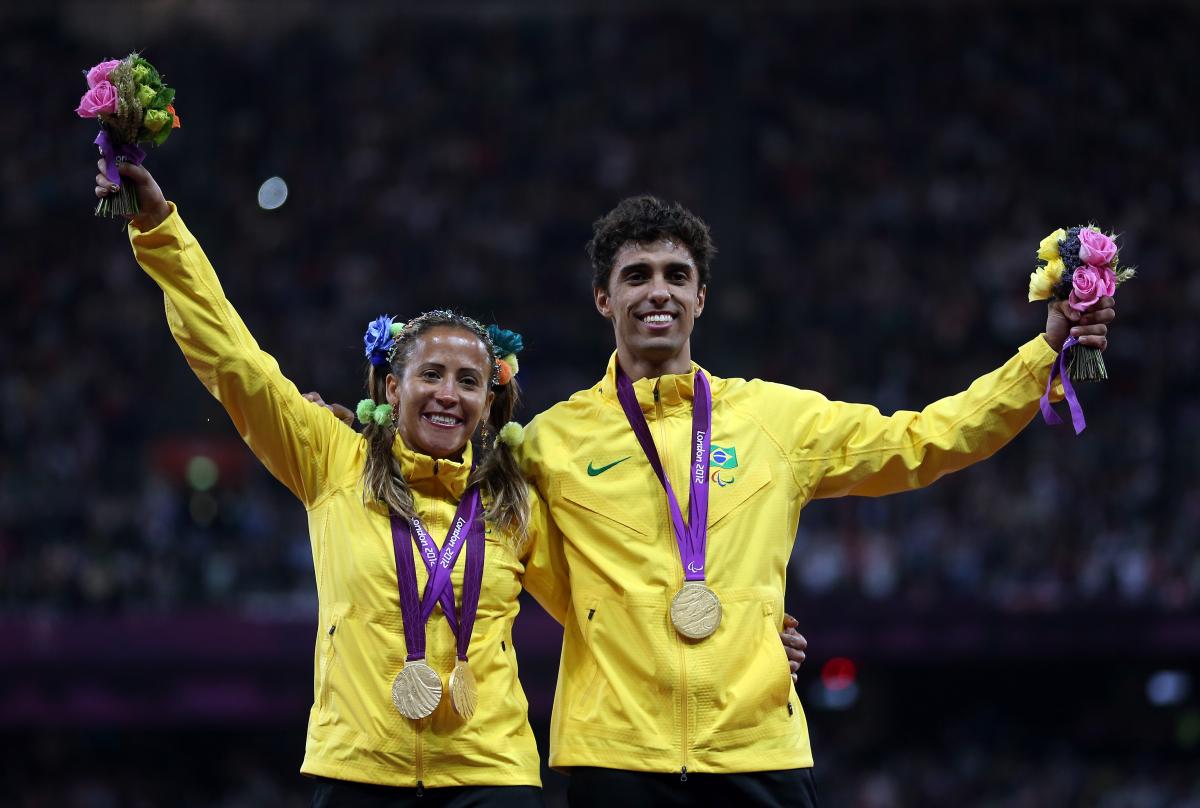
(444, 392)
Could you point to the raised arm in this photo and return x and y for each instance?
(854, 449)
(290, 436)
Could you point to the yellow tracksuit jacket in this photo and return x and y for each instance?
(633, 694)
(354, 732)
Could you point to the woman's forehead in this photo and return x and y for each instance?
(450, 344)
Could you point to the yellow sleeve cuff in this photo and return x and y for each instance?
(134, 232)
(1038, 357)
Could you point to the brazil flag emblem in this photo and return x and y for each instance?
(722, 457)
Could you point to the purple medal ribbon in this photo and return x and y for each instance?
(431, 555)
(126, 152)
(691, 536)
(466, 531)
(1060, 369)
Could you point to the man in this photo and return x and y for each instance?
(672, 679)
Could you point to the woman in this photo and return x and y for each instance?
(395, 716)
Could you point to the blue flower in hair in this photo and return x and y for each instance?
(506, 342)
(378, 340)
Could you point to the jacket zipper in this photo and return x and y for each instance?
(683, 701)
(432, 526)
(420, 762)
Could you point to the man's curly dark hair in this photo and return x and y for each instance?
(644, 219)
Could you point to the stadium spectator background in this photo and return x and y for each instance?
(877, 179)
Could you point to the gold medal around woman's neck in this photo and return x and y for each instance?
(464, 694)
(417, 690)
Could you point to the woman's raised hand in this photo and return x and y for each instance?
(151, 201)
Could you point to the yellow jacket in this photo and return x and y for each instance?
(633, 694)
(354, 732)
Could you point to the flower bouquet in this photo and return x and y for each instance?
(1079, 266)
(134, 106)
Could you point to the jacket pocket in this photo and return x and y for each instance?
(328, 658)
(501, 582)
(623, 688)
(746, 688)
(730, 490)
(515, 690)
(621, 504)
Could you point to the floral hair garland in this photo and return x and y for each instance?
(380, 339)
(384, 336)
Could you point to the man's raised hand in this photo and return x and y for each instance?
(1090, 327)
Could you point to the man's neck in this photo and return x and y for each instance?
(643, 367)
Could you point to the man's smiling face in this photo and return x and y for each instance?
(653, 299)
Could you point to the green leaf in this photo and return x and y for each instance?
(163, 99)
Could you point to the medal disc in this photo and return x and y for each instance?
(695, 610)
(417, 690)
(464, 695)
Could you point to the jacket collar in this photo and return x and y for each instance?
(674, 389)
(420, 470)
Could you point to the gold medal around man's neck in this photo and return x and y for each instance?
(695, 610)
(417, 690)
(464, 695)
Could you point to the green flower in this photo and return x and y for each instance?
(148, 74)
(145, 95)
(156, 119)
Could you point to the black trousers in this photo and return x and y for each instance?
(605, 788)
(345, 794)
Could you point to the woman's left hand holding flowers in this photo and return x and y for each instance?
(154, 208)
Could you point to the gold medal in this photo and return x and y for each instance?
(417, 690)
(464, 695)
(695, 610)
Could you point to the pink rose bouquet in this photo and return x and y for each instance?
(1079, 266)
(133, 106)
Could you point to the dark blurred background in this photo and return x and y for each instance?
(877, 177)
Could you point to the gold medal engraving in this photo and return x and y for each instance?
(695, 610)
(417, 690)
(464, 695)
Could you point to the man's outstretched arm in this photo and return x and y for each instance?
(854, 449)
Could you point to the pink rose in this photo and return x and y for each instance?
(1095, 248)
(100, 72)
(1086, 286)
(100, 100)
(1108, 282)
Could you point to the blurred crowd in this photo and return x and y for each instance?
(877, 179)
(877, 185)
(971, 773)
